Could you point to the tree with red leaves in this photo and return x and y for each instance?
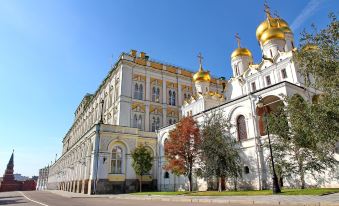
(182, 148)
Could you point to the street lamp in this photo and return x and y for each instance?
(101, 121)
(276, 188)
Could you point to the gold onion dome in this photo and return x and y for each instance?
(241, 52)
(310, 47)
(272, 23)
(202, 76)
(272, 33)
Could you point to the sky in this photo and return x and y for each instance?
(54, 52)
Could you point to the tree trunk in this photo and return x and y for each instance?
(190, 181)
(219, 184)
(302, 179)
(235, 184)
(140, 184)
(301, 172)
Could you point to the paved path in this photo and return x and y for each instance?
(46, 198)
(302, 200)
(61, 198)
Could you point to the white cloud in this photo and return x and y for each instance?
(308, 11)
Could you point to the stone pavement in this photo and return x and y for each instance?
(297, 200)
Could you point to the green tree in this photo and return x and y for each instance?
(318, 57)
(219, 154)
(298, 147)
(305, 132)
(142, 162)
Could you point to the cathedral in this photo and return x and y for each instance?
(140, 101)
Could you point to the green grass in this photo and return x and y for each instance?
(311, 191)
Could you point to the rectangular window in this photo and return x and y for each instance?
(283, 73)
(254, 88)
(268, 80)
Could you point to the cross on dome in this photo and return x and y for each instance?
(267, 10)
(200, 57)
(237, 37)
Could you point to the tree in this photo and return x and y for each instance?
(318, 57)
(220, 157)
(298, 147)
(142, 162)
(182, 148)
(306, 133)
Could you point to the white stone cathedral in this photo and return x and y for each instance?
(140, 101)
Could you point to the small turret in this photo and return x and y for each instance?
(202, 78)
(241, 58)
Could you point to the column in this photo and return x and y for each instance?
(179, 95)
(148, 87)
(164, 92)
(147, 117)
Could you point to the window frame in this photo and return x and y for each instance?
(115, 161)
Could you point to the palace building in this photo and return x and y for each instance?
(140, 101)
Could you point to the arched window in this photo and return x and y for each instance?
(166, 175)
(141, 92)
(153, 94)
(241, 128)
(173, 98)
(157, 123)
(135, 121)
(116, 160)
(157, 99)
(136, 91)
(185, 96)
(165, 142)
(140, 122)
(170, 97)
(153, 124)
(246, 170)
(170, 121)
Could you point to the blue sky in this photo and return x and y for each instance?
(53, 52)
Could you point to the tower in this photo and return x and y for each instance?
(274, 35)
(241, 58)
(8, 183)
(202, 78)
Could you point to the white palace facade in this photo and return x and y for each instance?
(140, 101)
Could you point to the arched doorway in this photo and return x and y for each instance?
(271, 104)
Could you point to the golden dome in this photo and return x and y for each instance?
(286, 29)
(272, 33)
(281, 22)
(241, 52)
(310, 47)
(202, 76)
(274, 23)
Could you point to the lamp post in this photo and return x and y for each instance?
(101, 121)
(276, 188)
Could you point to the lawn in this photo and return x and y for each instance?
(311, 191)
